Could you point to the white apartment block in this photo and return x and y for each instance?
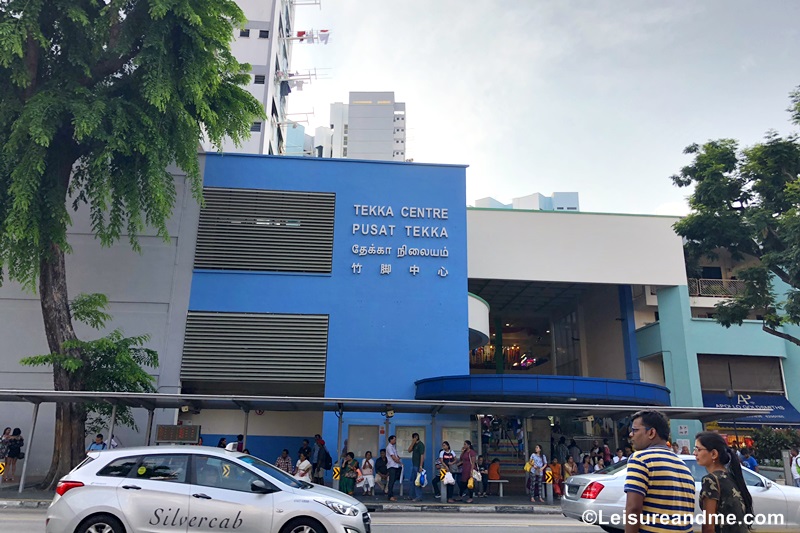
(266, 44)
(371, 126)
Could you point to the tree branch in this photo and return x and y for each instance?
(782, 335)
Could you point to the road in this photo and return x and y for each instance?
(32, 521)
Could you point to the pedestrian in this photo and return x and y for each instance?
(620, 456)
(575, 451)
(4, 451)
(570, 468)
(723, 489)
(796, 466)
(97, 445)
(417, 451)
(222, 442)
(494, 469)
(368, 474)
(748, 460)
(607, 455)
(302, 470)
(676, 448)
(114, 443)
(314, 458)
(483, 470)
(350, 472)
(395, 467)
(659, 486)
(237, 446)
(382, 471)
(284, 462)
(562, 451)
(305, 449)
(445, 459)
(324, 462)
(538, 461)
(468, 462)
(601, 464)
(15, 442)
(586, 466)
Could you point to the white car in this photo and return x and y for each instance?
(586, 495)
(198, 489)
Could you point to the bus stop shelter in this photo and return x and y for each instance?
(340, 406)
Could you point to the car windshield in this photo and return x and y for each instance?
(274, 472)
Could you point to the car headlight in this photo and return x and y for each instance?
(339, 507)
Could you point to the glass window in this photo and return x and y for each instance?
(162, 468)
(259, 79)
(362, 439)
(222, 474)
(404, 439)
(244, 33)
(274, 472)
(456, 437)
(255, 126)
(119, 468)
(263, 34)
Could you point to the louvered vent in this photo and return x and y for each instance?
(249, 229)
(255, 347)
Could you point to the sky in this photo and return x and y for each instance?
(598, 97)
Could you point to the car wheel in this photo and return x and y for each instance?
(101, 523)
(303, 525)
(611, 529)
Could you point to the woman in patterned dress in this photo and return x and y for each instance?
(723, 491)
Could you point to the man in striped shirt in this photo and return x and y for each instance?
(659, 485)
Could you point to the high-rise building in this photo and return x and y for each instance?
(266, 44)
(560, 201)
(371, 126)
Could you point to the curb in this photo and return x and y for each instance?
(504, 509)
(24, 504)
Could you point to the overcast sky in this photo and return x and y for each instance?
(598, 97)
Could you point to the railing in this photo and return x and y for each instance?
(715, 288)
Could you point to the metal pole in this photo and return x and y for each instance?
(616, 436)
(30, 445)
(113, 423)
(246, 421)
(150, 413)
(335, 482)
(526, 449)
(480, 433)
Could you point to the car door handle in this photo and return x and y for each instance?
(131, 487)
(202, 496)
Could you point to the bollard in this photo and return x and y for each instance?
(548, 486)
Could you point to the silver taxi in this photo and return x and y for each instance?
(194, 488)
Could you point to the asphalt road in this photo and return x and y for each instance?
(32, 521)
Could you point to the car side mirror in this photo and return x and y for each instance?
(767, 484)
(260, 487)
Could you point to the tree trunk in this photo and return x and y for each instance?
(68, 446)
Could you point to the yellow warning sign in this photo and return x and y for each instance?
(2, 468)
(226, 470)
(548, 476)
(336, 472)
(442, 473)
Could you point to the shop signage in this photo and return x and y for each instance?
(783, 412)
(425, 226)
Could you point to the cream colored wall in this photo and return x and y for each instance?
(643, 314)
(651, 370)
(279, 423)
(574, 247)
(605, 354)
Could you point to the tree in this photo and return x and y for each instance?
(113, 363)
(98, 97)
(748, 202)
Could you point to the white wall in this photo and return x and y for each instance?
(271, 423)
(574, 247)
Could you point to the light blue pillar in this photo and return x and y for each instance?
(681, 372)
(629, 333)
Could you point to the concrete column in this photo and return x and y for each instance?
(629, 343)
(150, 413)
(246, 423)
(499, 360)
(113, 423)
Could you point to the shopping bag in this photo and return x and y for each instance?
(449, 479)
(417, 481)
(423, 478)
(527, 467)
(470, 484)
(476, 475)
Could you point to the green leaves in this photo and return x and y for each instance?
(99, 98)
(747, 201)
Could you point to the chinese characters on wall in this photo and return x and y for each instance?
(425, 225)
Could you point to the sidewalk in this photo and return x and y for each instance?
(33, 498)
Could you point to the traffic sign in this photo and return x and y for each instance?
(548, 476)
(2, 468)
(336, 472)
(442, 473)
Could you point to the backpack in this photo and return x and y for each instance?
(797, 464)
(327, 460)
